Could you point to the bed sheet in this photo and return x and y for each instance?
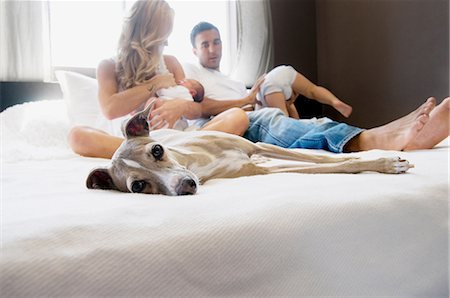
(276, 235)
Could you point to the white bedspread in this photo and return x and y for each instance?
(296, 235)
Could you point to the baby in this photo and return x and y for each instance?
(185, 89)
(283, 84)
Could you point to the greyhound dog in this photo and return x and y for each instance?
(173, 162)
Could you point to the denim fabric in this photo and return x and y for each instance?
(270, 125)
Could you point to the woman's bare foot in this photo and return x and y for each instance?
(395, 135)
(436, 129)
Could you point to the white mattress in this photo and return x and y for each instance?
(367, 234)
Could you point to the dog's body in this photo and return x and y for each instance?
(174, 163)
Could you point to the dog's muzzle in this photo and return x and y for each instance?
(187, 186)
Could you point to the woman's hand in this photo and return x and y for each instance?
(160, 81)
(166, 112)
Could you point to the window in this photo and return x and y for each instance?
(84, 32)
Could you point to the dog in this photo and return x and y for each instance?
(174, 162)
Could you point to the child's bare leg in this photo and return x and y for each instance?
(342, 108)
(91, 142)
(233, 121)
(395, 135)
(276, 100)
(436, 129)
(292, 110)
(308, 89)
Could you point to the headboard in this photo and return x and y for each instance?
(17, 92)
(12, 93)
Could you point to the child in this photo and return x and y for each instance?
(283, 84)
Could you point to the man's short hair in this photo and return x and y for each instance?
(199, 28)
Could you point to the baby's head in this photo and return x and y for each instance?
(195, 88)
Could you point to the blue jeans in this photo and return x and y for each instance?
(270, 125)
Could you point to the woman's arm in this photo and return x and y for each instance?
(115, 104)
(174, 67)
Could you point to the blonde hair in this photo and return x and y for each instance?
(144, 33)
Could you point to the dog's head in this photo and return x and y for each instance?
(143, 165)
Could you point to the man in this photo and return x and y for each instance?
(421, 129)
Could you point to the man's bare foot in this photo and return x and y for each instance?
(436, 129)
(343, 108)
(395, 135)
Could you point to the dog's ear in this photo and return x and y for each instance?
(100, 179)
(137, 126)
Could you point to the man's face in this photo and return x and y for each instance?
(208, 49)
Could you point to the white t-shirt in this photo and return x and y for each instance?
(217, 85)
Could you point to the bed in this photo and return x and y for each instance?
(292, 235)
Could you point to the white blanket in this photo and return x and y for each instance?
(296, 235)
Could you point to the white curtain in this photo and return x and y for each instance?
(252, 50)
(24, 41)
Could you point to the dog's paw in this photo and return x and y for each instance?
(397, 165)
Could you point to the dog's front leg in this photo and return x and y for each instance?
(273, 151)
(388, 165)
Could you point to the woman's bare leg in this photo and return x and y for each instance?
(91, 142)
(436, 129)
(233, 121)
(395, 135)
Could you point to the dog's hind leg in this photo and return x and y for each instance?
(273, 151)
(388, 165)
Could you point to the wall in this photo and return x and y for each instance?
(382, 57)
(294, 35)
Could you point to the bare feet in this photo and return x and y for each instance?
(395, 135)
(436, 129)
(343, 108)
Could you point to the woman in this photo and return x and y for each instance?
(139, 70)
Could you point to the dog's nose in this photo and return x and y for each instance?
(187, 187)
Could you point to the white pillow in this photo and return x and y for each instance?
(81, 96)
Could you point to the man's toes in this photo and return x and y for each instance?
(431, 100)
(421, 121)
(446, 103)
(430, 103)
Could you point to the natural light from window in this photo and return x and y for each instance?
(85, 32)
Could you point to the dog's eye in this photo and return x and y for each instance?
(138, 186)
(157, 152)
